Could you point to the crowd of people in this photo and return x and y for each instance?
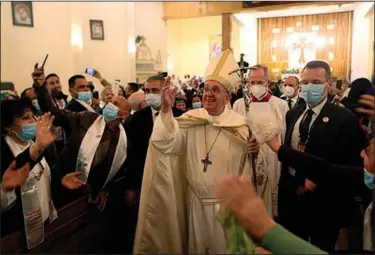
(184, 149)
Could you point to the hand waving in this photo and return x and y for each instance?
(44, 135)
(168, 95)
(13, 178)
(71, 181)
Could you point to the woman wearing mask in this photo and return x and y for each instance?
(26, 201)
(197, 101)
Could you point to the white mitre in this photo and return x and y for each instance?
(219, 68)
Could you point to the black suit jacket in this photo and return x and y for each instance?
(338, 140)
(75, 106)
(139, 129)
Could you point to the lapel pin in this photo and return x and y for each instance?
(325, 119)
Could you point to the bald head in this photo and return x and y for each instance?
(137, 101)
(123, 106)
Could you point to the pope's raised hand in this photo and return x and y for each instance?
(168, 95)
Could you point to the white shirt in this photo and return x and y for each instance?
(154, 114)
(294, 101)
(295, 135)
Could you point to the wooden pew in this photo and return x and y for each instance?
(80, 228)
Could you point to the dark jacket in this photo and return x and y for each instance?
(12, 219)
(337, 139)
(139, 129)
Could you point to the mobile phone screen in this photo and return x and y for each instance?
(90, 71)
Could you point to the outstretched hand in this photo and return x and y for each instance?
(249, 210)
(71, 181)
(168, 95)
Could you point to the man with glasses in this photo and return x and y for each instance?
(258, 92)
(186, 157)
(317, 212)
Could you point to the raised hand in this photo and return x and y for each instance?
(44, 135)
(13, 178)
(38, 75)
(368, 102)
(97, 75)
(168, 96)
(71, 181)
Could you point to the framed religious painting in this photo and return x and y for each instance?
(96, 29)
(22, 14)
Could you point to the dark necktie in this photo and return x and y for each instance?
(305, 126)
(290, 103)
(156, 114)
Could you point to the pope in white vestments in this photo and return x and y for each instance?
(259, 94)
(186, 158)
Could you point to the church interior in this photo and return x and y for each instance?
(128, 42)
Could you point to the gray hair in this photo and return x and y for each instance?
(104, 91)
(265, 70)
(135, 99)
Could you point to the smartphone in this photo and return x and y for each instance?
(90, 71)
(95, 94)
(44, 61)
(339, 84)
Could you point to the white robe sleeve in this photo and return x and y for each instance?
(7, 198)
(235, 106)
(167, 136)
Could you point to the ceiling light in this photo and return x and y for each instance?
(330, 27)
(298, 24)
(275, 31)
(274, 44)
(315, 28)
(274, 58)
(289, 29)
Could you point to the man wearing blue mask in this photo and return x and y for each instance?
(317, 211)
(97, 148)
(81, 94)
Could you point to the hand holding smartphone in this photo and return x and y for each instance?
(90, 71)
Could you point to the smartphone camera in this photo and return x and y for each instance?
(90, 71)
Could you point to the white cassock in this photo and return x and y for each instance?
(178, 206)
(280, 108)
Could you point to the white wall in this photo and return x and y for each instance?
(149, 23)
(360, 42)
(249, 38)
(21, 47)
(188, 44)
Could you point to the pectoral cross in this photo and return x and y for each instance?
(206, 162)
(302, 45)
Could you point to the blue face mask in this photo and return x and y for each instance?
(369, 179)
(110, 112)
(28, 131)
(36, 105)
(197, 105)
(312, 93)
(84, 96)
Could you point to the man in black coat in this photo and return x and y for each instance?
(329, 132)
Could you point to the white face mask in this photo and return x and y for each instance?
(289, 91)
(153, 100)
(258, 90)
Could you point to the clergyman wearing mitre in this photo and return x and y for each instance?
(185, 159)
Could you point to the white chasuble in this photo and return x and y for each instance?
(36, 198)
(280, 108)
(90, 145)
(178, 206)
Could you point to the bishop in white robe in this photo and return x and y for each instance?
(186, 158)
(259, 94)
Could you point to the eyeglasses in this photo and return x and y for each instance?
(214, 90)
